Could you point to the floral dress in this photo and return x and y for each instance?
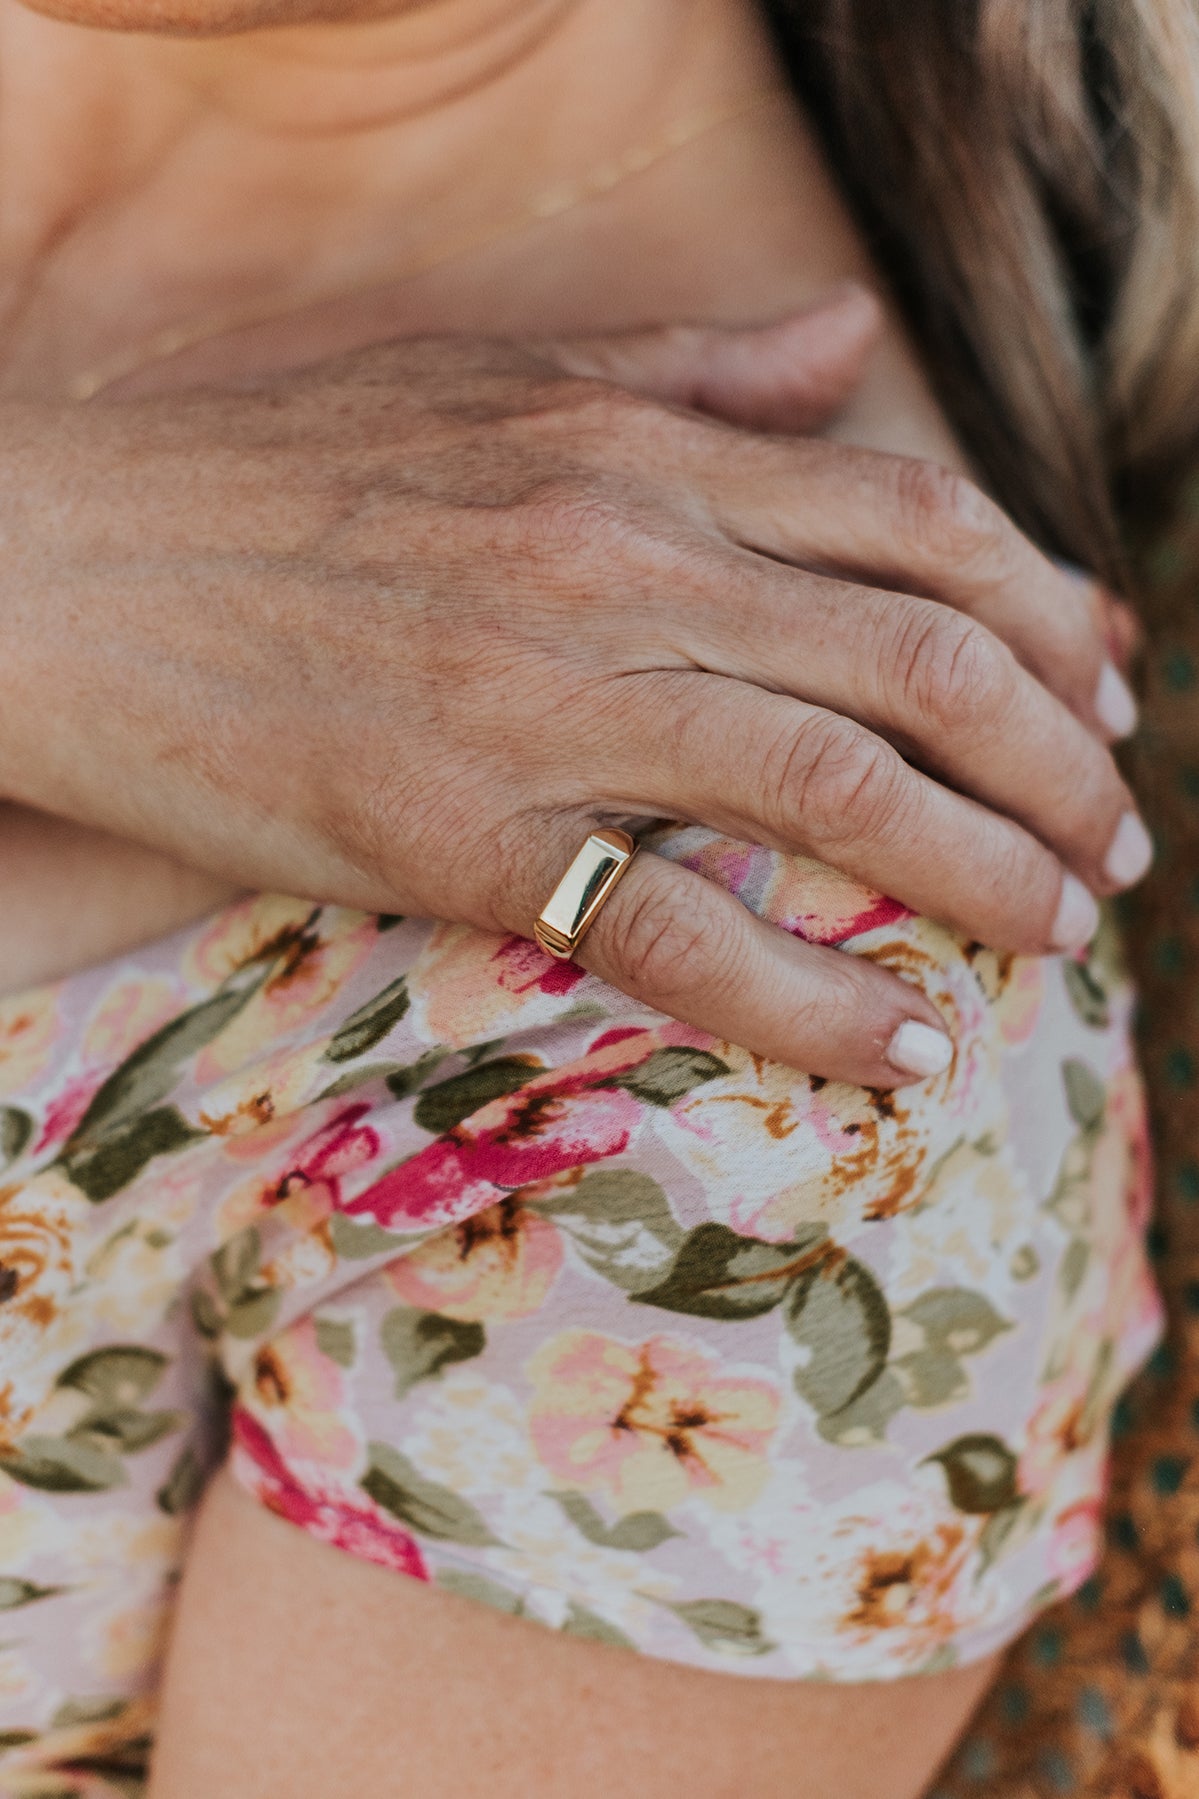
(483, 1272)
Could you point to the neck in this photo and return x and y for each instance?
(288, 158)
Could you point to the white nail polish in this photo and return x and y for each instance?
(1131, 852)
(919, 1049)
(1077, 916)
(1115, 707)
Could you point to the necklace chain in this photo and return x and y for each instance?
(549, 203)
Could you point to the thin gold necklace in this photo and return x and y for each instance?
(549, 203)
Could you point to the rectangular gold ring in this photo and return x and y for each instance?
(575, 902)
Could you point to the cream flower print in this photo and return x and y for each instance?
(129, 1012)
(651, 1424)
(308, 964)
(498, 1264)
(467, 984)
(300, 1394)
(889, 1573)
(40, 1240)
(262, 1100)
(29, 1024)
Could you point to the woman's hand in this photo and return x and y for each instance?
(399, 630)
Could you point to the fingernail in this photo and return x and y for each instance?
(1131, 852)
(919, 1049)
(1115, 707)
(1077, 916)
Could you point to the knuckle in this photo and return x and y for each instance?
(667, 948)
(951, 671)
(566, 517)
(838, 781)
(951, 521)
(590, 406)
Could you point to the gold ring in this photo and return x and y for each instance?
(575, 903)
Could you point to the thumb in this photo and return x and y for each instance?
(791, 376)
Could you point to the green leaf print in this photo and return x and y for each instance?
(580, 1622)
(146, 1077)
(119, 1376)
(206, 1314)
(182, 1486)
(478, 1587)
(102, 1169)
(668, 1075)
(956, 1318)
(1087, 993)
(724, 1625)
(15, 1593)
(420, 1344)
(433, 1510)
(370, 1074)
(357, 1242)
(638, 1531)
(621, 1223)
(248, 1307)
(59, 1465)
(370, 1023)
(253, 1315)
(16, 1128)
(74, 1712)
(1085, 1093)
(124, 1432)
(235, 1263)
(995, 1533)
(402, 1083)
(864, 1422)
(931, 1377)
(980, 1471)
(354, 1242)
(335, 1339)
(718, 1274)
(839, 1315)
(441, 1107)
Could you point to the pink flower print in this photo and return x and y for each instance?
(1021, 1000)
(309, 1186)
(652, 1423)
(1057, 1430)
(68, 1106)
(1075, 1543)
(129, 1012)
(525, 1137)
(499, 1263)
(321, 1508)
(561, 1119)
(468, 984)
(801, 896)
(303, 1393)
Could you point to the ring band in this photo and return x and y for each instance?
(575, 903)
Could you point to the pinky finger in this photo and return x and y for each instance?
(678, 943)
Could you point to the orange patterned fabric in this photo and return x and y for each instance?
(1100, 1700)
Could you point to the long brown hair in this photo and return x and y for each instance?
(1028, 171)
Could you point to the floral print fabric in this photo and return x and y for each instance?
(520, 1288)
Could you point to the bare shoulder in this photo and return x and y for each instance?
(296, 1668)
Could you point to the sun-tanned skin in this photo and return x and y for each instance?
(166, 170)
